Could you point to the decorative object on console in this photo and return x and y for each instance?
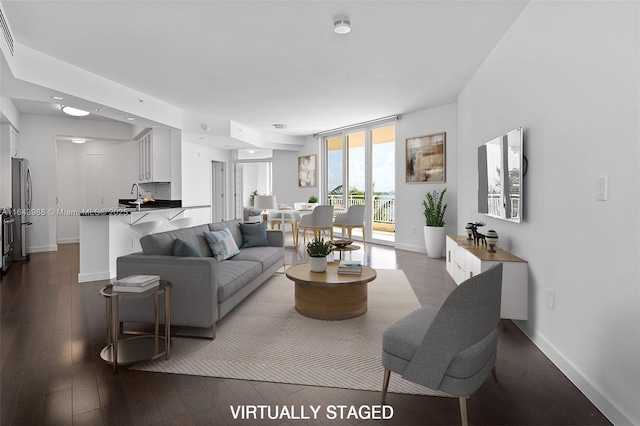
(492, 239)
(469, 230)
(477, 237)
(434, 231)
(318, 250)
(425, 159)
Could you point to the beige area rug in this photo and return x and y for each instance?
(265, 339)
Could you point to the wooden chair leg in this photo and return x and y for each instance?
(364, 241)
(385, 385)
(463, 410)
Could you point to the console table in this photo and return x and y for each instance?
(465, 259)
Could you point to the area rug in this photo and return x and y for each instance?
(265, 339)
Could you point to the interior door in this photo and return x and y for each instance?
(217, 191)
(239, 194)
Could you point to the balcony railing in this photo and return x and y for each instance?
(384, 206)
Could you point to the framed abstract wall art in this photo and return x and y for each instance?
(307, 174)
(426, 159)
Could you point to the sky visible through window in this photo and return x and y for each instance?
(383, 168)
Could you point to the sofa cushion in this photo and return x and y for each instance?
(185, 249)
(232, 225)
(162, 242)
(222, 244)
(267, 256)
(233, 275)
(254, 234)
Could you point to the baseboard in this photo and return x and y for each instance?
(68, 241)
(95, 276)
(407, 247)
(576, 376)
(42, 249)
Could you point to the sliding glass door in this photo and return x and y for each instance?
(361, 170)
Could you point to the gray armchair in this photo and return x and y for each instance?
(451, 349)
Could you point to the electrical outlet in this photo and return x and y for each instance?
(413, 229)
(551, 298)
(133, 242)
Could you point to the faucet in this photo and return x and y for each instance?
(138, 200)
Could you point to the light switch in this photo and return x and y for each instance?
(601, 188)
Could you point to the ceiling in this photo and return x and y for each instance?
(259, 63)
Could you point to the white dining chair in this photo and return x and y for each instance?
(318, 222)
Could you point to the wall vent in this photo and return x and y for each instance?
(7, 33)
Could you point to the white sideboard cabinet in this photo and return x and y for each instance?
(154, 149)
(465, 259)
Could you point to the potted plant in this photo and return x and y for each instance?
(252, 197)
(313, 199)
(318, 250)
(434, 233)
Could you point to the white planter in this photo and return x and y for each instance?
(318, 264)
(434, 240)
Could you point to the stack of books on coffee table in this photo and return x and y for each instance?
(137, 283)
(350, 267)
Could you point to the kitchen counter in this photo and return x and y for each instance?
(117, 211)
(106, 234)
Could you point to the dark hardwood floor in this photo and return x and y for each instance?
(52, 330)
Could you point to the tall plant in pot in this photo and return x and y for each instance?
(318, 250)
(434, 233)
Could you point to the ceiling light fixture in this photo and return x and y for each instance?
(130, 118)
(280, 126)
(57, 98)
(251, 151)
(74, 111)
(78, 140)
(205, 127)
(342, 26)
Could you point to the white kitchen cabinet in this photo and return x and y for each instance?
(465, 260)
(154, 156)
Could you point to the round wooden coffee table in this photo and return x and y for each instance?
(329, 295)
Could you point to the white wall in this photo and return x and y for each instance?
(285, 172)
(38, 144)
(409, 196)
(196, 179)
(568, 73)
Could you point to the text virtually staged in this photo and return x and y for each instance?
(311, 412)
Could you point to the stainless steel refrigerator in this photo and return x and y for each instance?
(22, 196)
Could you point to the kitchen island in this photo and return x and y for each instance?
(106, 234)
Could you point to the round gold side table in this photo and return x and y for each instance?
(129, 350)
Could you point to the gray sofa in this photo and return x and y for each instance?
(204, 290)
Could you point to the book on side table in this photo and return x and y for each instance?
(350, 267)
(137, 283)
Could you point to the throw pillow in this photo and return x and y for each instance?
(185, 249)
(222, 244)
(254, 234)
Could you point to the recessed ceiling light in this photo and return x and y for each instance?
(57, 98)
(251, 151)
(74, 111)
(78, 140)
(98, 109)
(130, 118)
(342, 26)
(280, 126)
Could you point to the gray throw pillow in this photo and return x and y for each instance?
(185, 249)
(254, 234)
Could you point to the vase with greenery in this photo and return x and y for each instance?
(318, 250)
(434, 232)
(252, 197)
(313, 199)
